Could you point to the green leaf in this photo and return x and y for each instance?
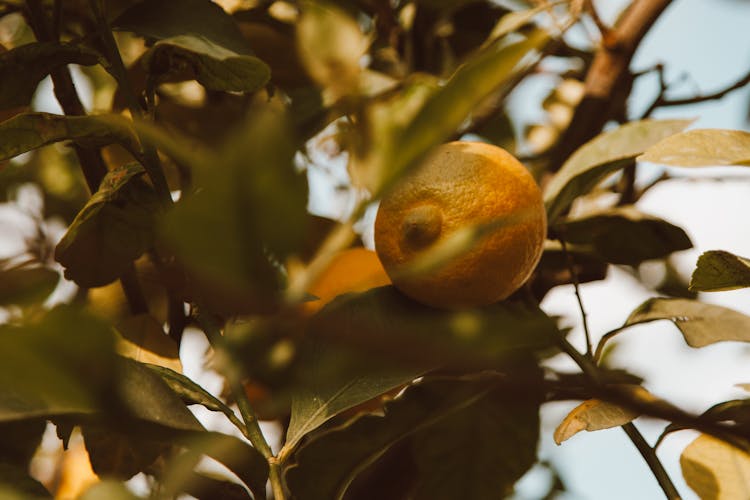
(108, 490)
(701, 324)
(22, 68)
(384, 321)
(624, 235)
(114, 228)
(333, 380)
(148, 398)
(601, 156)
(251, 203)
(191, 393)
(481, 451)
(20, 440)
(61, 365)
(715, 469)
(328, 463)
(701, 148)
(398, 145)
(170, 18)
(26, 285)
(16, 484)
(28, 131)
(119, 454)
(513, 21)
(213, 66)
(718, 270)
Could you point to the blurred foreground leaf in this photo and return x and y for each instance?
(213, 66)
(701, 148)
(22, 68)
(701, 324)
(29, 131)
(601, 156)
(625, 235)
(108, 490)
(383, 321)
(114, 228)
(715, 469)
(17, 484)
(500, 423)
(718, 270)
(26, 285)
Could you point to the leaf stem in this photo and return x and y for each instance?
(152, 164)
(252, 426)
(649, 455)
(577, 288)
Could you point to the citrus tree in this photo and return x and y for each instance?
(182, 187)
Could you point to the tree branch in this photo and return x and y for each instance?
(609, 80)
(649, 455)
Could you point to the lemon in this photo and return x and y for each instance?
(463, 184)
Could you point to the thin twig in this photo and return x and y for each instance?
(600, 24)
(649, 455)
(576, 287)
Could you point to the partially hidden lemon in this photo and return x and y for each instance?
(463, 184)
(352, 270)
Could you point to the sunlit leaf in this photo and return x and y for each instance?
(114, 228)
(400, 144)
(61, 365)
(328, 463)
(22, 68)
(386, 322)
(142, 338)
(701, 324)
(592, 415)
(718, 270)
(24, 285)
(212, 65)
(513, 21)
(201, 18)
(29, 131)
(625, 235)
(331, 44)
(716, 470)
(601, 156)
(701, 148)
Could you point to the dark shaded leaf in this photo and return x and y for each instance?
(20, 440)
(114, 228)
(624, 235)
(601, 156)
(237, 455)
(737, 410)
(718, 270)
(61, 365)
(16, 484)
(701, 148)
(203, 486)
(161, 19)
(328, 463)
(28, 131)
(386, 322)
(119, 455)
(22, 68)
(213, 66)
(554, 267)
(701, 324)
(500, 430)
(25, 285)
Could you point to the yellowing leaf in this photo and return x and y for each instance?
(592, 415)
(701, 148)
(143, 339)
(716, 470)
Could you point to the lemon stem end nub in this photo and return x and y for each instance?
(421, 226)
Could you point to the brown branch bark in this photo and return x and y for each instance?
(609, 79)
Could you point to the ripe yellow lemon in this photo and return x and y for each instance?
(463, 184)
(352, 270)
